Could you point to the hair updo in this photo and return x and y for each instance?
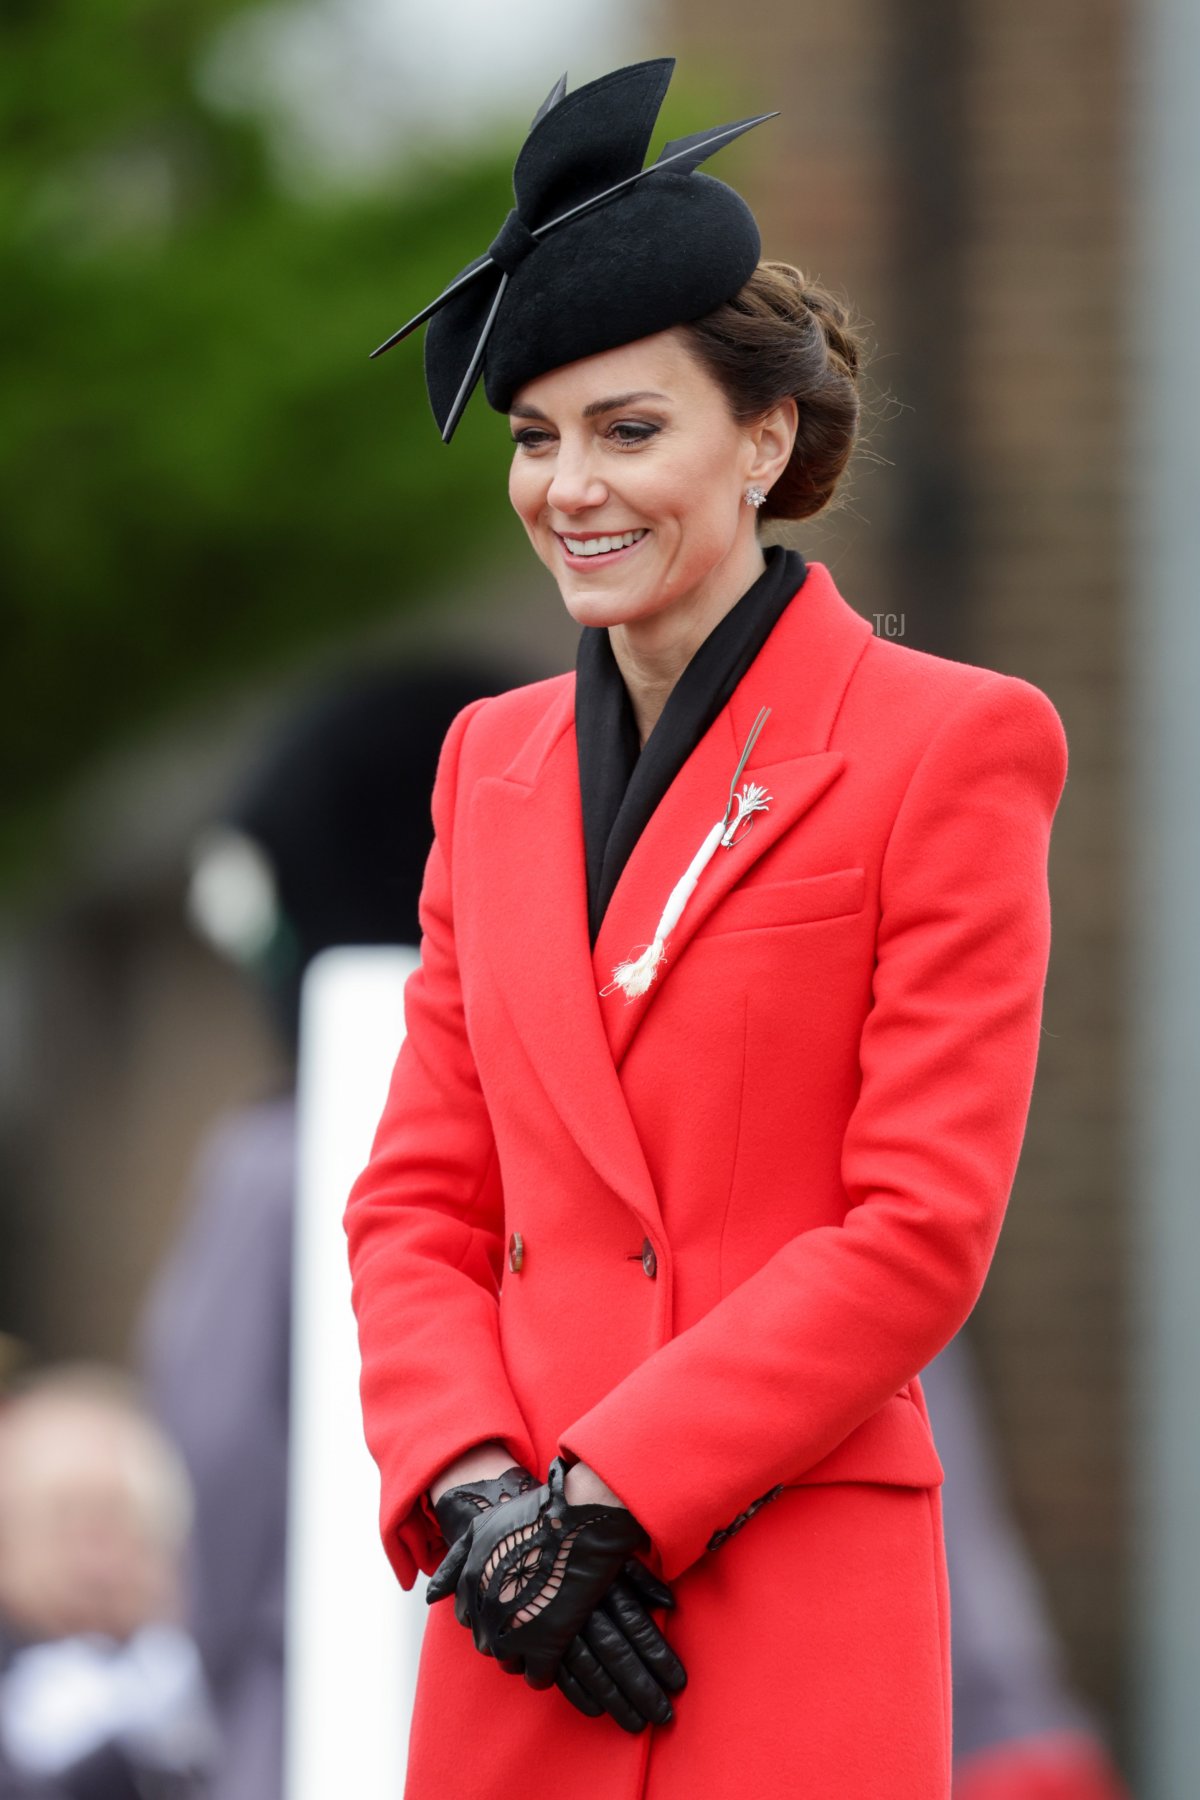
(781, 335)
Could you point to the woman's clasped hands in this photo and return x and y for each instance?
(554, 1592)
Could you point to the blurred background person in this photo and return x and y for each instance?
(102, 1696)
(323, 845)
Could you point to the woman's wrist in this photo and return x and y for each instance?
(482, 1462)
(583, 1487)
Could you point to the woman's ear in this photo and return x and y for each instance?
(772, 438)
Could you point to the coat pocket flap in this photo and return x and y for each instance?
(800, 902)
(893, 1446)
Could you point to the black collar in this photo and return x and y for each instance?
(621, 785)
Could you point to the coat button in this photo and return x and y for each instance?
(516, 1252)
(649, 1260)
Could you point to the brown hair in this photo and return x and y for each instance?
(781, 335)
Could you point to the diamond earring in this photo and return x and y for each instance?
(754, 496)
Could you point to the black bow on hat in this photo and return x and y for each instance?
(594, 254)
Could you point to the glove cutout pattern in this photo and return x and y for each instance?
(519, 1566)
(525, 1571)
(528, 1574)
(515, 1563)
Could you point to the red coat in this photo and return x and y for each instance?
(754, 1203)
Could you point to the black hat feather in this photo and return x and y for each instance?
(597, 252)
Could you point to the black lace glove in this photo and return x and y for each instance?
(527, 1575)
(618, 1662)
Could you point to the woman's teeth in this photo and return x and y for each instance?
(599, 546)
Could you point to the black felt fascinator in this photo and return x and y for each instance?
(597, 251)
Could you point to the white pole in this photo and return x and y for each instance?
(1161, 286)
(353, 1634)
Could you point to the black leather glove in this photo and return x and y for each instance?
(527, 1575)
(619, 1662)
(458, 1507)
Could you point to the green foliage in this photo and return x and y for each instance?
(201, 471)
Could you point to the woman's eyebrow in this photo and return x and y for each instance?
(603, 406)
(595, 406)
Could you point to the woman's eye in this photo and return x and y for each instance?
(633, 431)
(624, 432)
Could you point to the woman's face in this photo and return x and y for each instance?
(629, 474)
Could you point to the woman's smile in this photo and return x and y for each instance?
(599, 549)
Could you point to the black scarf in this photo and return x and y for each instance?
(620, 783)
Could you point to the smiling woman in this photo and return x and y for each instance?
(719, 1055)
(630, 466)
(639, 445)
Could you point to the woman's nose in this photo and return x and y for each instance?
(575, 485)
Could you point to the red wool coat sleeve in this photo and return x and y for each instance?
(424, 1223)
(843, 1316)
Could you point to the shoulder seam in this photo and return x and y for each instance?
(992, 678)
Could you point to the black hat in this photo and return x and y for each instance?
(597, 251)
